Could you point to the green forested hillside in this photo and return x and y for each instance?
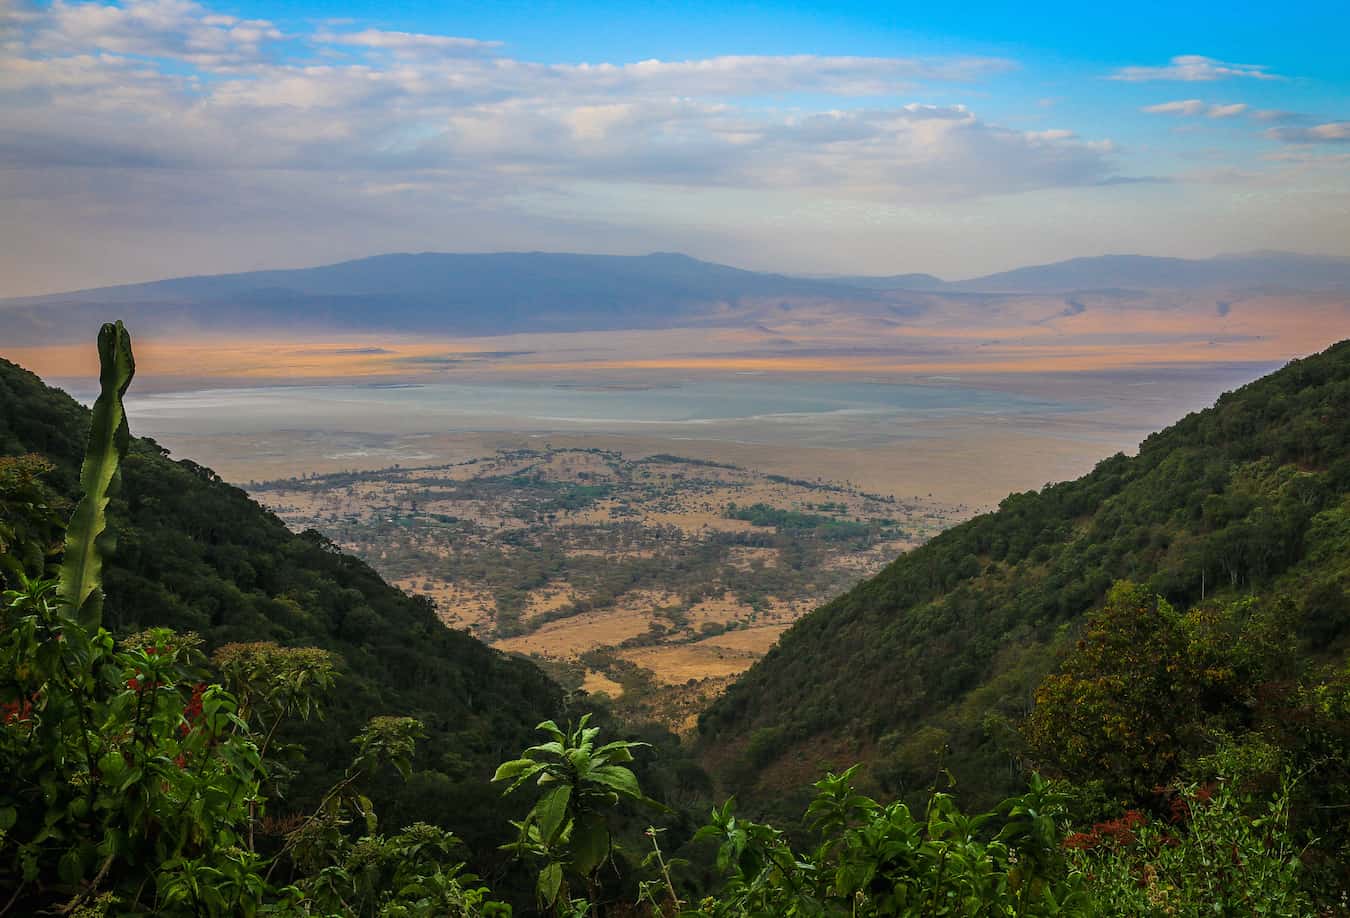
(196, 554)
(934, 663)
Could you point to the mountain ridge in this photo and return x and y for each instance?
(1253, 269)
(506, 292)
(442, 292)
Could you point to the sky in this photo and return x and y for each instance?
(155, 138)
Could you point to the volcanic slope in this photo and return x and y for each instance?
(933, 663)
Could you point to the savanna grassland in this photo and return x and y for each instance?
(655, 580)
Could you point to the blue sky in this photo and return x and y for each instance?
(157, 137)
(1281, 34)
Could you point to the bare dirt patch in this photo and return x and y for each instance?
(676, 664)
(597, 683)
(566, 638)
(755, 641)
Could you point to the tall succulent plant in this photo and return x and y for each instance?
(87, 537)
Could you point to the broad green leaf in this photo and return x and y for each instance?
(71, 867)
(618, 751)
(618, 779)
(87, 539)
(515, 769)
(550, 878)
(551, 811)
(580, 760)
(553, 749)
(590, 842)
(552, 730)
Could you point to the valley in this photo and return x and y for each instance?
(655, 579)
(597, 461)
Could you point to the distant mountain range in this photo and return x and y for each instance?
(536, 291)
(431, 292)
(1271, 270)
(1280, 270)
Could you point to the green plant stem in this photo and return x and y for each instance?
(665, 873)
(85, 726)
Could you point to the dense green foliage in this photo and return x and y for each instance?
(1221, 853)
(827, 528)
(196, 554)
(935, 662)
(131, 788)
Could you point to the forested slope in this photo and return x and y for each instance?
(934, 663)
(196, 554)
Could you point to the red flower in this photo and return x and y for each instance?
(1082, 841)
(193, 712)
(1118, 831)
(1179, 809)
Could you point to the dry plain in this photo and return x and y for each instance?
(644, 578)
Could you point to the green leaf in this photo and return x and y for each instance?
(367, 809)
(551, 749)
(619, 751)
(580, 760)
(552, 730)
(513, 769)
(111, 767)
(618, 779)
(590, 843)
(550, 879)
(551, 811)
(87, 541)
(70, 868)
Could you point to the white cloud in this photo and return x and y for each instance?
(1181, 107)
(1331, 132)
(742, 75)
(1192, 107)
(1276, 115)
(405, 42)
(175, 29)
(1194, 68)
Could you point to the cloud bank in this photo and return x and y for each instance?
(169, 84)
(146, 138)
(233, 119)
